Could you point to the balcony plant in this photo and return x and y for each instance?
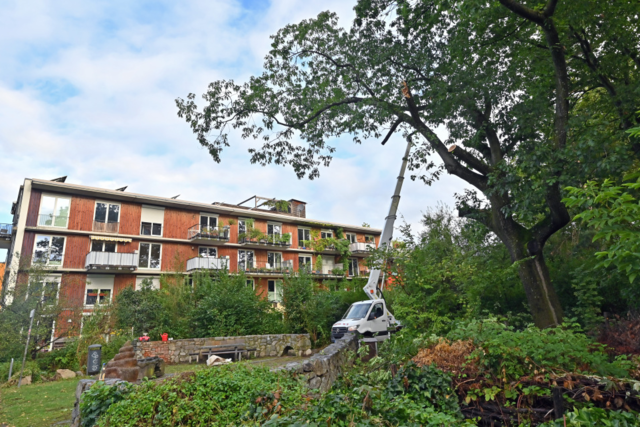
(318, 264)
(285, 239)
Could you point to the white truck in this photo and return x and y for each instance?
(372, 317)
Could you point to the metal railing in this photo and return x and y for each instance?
(49, 220)
(207, 263)
(208, 233)
(111, 261)
(336, 271)
(106, 227)
(361, 247)
(262, 267)
(6, 230)
(270, 240)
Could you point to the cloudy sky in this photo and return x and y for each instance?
(87, 90)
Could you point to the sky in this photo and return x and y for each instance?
(88, 89)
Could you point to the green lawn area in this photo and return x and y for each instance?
(40, 404)
(44, 404)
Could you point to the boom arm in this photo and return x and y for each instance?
(371, 288)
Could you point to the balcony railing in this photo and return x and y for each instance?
(261, 267)
(106, 227)
(360, 247)
(334, 272)
(111, 261)
(270, 240)
(49, 220)
(207, 263)
(208, 233)
(5, 231)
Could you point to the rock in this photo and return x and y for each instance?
(216, 360)
(64, 374)
(308, 353)
(79, 373)
(25, 380)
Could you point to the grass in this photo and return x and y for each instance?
(40, 404)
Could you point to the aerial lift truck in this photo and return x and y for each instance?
(372, 318)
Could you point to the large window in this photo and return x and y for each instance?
(46, 288)
(48, 250)
(304, 263)
(99, 290)
(204, 251)
(274, 259)
(304, 235)
(103, 246)
(351, 237)
(208, 223)
(242, 226)
(369, 239)
(151, 282)
(326, 234)
(274, 229)
(54, 211)
(245, 260)
(149, 255)
(353, 267)
(106, 217)
(151, 221)
(274, 291)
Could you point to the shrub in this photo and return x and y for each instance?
(596, 417)
(97, 400)
(64, 358)
(504, 351)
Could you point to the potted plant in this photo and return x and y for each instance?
(242, 237)
(318, 264)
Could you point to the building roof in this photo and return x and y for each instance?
(225, 208)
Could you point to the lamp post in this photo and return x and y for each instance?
(26, 347)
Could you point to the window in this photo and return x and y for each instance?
(106, 217)
(207, 252)
(54, 211)
(152, 282)
(377, 311)
(274, 259)
(274, 291)
(369, 239)
(151, 221)
(245, 260)
(99, 290)
(103, 246)
(242, 225)
(208, 222)
(149, 256)
(274, 229)
(326, 234)
(47, 288)
(353, 267)
(251, 283)
(304, 234)
(351, 237)
(49, 250)
(188, 281)
(304, 263)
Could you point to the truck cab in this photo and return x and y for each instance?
(366, 318)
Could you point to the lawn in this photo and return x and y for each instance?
(40, 404)
(44, 404)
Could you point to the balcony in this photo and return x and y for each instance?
(106, 227)
(49, 220)
(361, 248)
(335, 272)
(257, 268)
(273, 240)
(207, 263)
(208, 234)
(5, 235)
(111, 261)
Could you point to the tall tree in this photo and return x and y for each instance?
(534, 97)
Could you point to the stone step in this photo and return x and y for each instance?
(123, 363)
(125, 355)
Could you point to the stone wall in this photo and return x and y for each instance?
(177, 351)
(322, 369)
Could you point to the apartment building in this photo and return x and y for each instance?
(95, 242)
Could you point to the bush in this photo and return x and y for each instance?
(64, 358)
(97, 400)
(514, 354)
(226, 395)
(596, 417)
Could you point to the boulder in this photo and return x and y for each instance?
(25, 380)
(216, 360)
(64, 374)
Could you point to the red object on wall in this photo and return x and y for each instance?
(165, 337)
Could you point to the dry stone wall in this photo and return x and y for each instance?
(177, 351)
(322, 369)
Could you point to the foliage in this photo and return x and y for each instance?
(64, 358)
(140, 309)
(226, 395)
(313, 309)
(508, 353)
(612, 210)
(97, 400)
(596, 417)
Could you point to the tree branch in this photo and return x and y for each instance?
(393, 128)
(524, 11)
(470, 159)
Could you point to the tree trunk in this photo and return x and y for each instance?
(543, 300)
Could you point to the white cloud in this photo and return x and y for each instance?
(112, 71)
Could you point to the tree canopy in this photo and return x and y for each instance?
(534, 96)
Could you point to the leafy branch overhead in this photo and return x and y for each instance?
(517, 99)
